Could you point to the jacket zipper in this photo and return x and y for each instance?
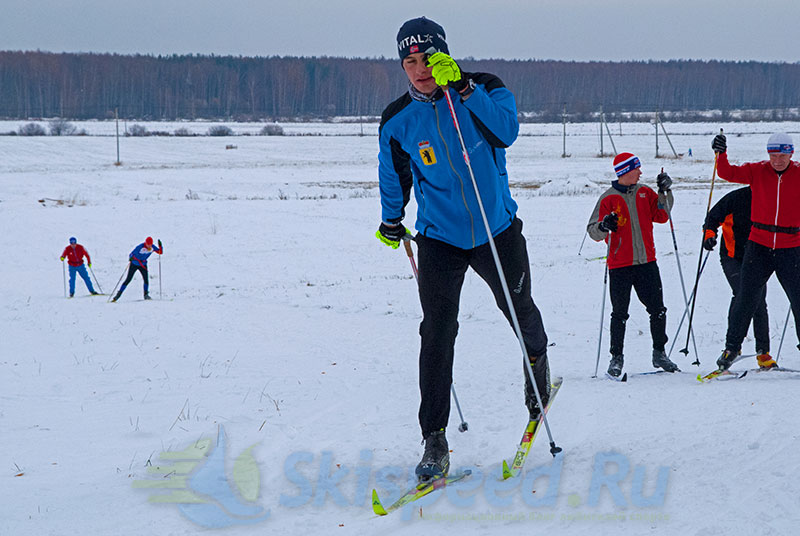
(460, 180)
(637, 253)
(777, 209)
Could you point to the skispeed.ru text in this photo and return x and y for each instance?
(315, 480)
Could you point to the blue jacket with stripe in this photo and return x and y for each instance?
(140, 254)
(419, 146)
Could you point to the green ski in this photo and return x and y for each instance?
(418, 491)
(531, 431)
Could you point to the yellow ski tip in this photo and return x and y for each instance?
(506, 471)
(700, 377)
(377, 507)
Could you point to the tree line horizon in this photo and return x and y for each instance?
(240, 88)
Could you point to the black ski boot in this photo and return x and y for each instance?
(726, 359)
(540, 371)
(615, 366)
(660, 360)
(435, 461)
(115, 298)
(147, 296)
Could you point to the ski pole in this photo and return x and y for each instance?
(685, 349)
(463, 427)
(410, 252)
(64, 277)
(778, 355)
(127, 266)
(159, 277)
(512, 313)
(680, 272)
(602, 310)
(686, 309)
(582, 242)
(96, 280)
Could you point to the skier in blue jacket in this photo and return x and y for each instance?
(419, 147)
(138, 263)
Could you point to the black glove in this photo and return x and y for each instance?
(710, 239)
(396, 232)
(609, 223)
(159, 244)
(719, 144)
(664, 182)
(391, 235)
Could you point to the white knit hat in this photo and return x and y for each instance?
(780, 143)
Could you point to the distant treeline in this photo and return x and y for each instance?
(92, 86)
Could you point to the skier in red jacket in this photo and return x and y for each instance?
(774, 242)
(623, 217)
(74, 254)
(732, 212)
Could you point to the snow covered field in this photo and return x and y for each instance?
(285, 326)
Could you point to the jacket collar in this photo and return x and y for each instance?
(623, 189)
(422, 97)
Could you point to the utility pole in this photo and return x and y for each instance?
(655, 124)
(116, 119)
(601, 131)
(664, 130)
(564, 137)
(608, 131)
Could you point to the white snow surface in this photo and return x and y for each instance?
(281, 322)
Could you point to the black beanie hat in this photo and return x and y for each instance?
(418, 35)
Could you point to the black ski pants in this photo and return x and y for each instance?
(441, 276)
(131, 271)
(732, 268)
(758, 265)
(646, 280)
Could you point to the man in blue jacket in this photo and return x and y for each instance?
(138, 263)
(419, 147)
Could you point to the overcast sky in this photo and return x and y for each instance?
(578, 30)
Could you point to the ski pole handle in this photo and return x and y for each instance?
(410, 253)
(407, 245)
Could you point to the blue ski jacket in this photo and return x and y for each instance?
(419, 146)
(140, 254)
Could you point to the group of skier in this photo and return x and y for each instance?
(419, 151)
(760, 235)
(137, 262)
(773, 245)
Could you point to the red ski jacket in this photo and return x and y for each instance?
(637, 207)
(75, 256)
(775, 209)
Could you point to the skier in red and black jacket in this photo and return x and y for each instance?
(774, 240)
(624, 217)
(732, 212)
